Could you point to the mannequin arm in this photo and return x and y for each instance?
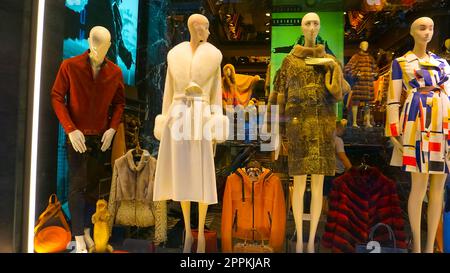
(220, 121)
(168, 93)
(167, 101)
(350, 67)
(393, 105)
(118, 104)
(334, 81)
(58, 97)
(343, 157)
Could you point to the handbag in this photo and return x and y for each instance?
(375, 247)
(253, 247)
(210, 239)
(52, 238)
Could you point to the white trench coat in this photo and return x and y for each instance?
(185, 168)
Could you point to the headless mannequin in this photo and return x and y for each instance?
(198, 28)
(422, 32)
(310, 28)
(99, 43)
(364, 46)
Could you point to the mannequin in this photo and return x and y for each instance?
(237, 88)
(311, 120)
(86, 122)
(185, 167)
(362, 67)
(425, 131)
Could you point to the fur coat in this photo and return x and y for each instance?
(192, 102)
(361, 69)
(307, 96)
(359, 200)
(131, 197)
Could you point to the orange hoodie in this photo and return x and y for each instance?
(265, 197)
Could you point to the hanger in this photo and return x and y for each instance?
(254, 169)
(364, 166)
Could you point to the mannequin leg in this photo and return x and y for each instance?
(355, 115)
(367, 118)
(80, 244)
(316, 208)
(201, 242)
(297, 208)
(435, 203)
(88, 239)
(419, 182)
(188, 239)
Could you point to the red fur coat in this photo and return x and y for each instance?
(359, 200)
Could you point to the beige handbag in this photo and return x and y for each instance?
(253, 247)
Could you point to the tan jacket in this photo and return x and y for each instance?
(131, 197)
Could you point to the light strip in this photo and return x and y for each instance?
(35, 125)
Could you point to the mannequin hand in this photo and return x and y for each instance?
(397, 143)
(107, 138)
(77, 139)
(319, 61)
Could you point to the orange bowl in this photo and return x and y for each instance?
(51, 239)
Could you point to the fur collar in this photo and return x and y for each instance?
(198, 66)
(302, 52)
(134, 182)
(142, 162)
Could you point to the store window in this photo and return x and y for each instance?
(137, 98)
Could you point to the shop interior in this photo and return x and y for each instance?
(244, 32)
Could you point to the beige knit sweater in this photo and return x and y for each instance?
(130, 200)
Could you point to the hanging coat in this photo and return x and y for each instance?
(185, 169)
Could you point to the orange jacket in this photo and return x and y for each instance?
(269, 209)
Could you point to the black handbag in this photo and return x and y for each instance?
(375, 247)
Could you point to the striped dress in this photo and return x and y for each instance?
(424, 119)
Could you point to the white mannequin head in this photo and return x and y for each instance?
(364, 45)
(310, 28)
(422, 30)
(99, 43)
(198, 28)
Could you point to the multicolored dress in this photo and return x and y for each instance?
(424, 120)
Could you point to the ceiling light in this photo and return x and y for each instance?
(268, 14)
(268, 24)
(345, 12)
(267, 38)
(267, 31)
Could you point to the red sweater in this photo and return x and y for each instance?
(88, 99)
